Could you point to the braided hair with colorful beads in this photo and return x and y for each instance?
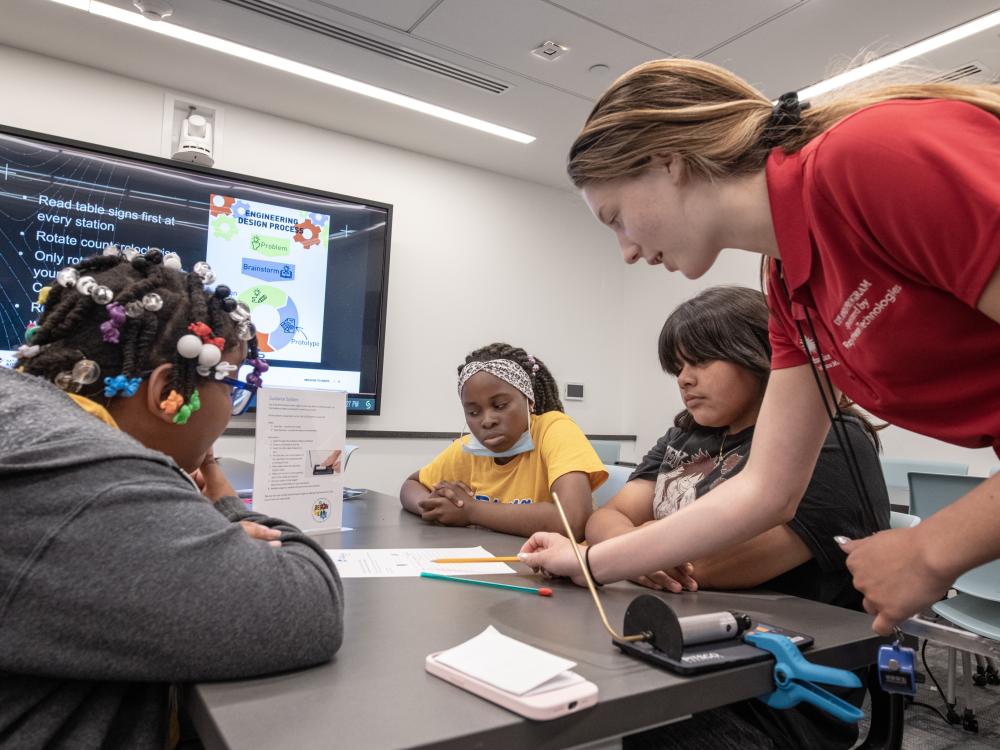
(122, 314)
(545, 386)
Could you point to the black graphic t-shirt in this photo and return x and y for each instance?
(686, 465)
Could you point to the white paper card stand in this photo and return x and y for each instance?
(298, 456)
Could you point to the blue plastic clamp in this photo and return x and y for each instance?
(794, 677)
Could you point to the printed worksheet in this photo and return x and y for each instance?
(402, 563)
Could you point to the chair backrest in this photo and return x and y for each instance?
(895, 470)
(617, 476)
(239, 473)
(902, 520)
(929, 493)
(982, 582)
(608, 451)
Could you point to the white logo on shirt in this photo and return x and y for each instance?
(857, 326)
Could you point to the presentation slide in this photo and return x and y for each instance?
(310, 267)
(273, 255)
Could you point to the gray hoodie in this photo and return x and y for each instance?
(118, 578)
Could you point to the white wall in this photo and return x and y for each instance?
(476, 256)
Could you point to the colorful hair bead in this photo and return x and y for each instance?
(172, 403)
(111, 328)
(184, 413)
(120, 385)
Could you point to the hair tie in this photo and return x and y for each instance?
(785, 118)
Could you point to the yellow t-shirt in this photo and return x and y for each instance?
(560, 447)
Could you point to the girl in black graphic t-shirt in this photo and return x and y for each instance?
(716, 345)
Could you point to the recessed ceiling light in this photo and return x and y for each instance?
(302, 70)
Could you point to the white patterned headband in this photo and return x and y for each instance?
(505, 369)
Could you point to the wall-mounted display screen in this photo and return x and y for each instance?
(312, 266)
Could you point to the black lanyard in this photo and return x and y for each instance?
(835, 414)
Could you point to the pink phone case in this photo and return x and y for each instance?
(539, 704)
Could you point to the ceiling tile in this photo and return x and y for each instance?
(504, 33)
(682, 28)
(400, 14)
(818, 39)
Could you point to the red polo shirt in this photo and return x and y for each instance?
(889, 229)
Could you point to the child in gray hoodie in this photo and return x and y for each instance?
(118, 575)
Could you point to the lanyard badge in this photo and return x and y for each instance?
(896, 673)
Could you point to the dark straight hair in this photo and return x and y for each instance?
(728, 323)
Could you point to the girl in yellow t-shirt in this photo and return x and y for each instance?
(521, 450)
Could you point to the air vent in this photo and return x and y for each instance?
(966, 71)
(371, 44)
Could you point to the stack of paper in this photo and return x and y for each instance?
(509, 664)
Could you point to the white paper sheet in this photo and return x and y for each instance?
(505, 662)
(399, 563)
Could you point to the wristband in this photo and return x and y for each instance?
(586, 561)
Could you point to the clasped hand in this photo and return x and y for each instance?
(447, 504)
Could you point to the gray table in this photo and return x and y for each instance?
(376, 694)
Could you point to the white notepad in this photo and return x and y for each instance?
(507, 663)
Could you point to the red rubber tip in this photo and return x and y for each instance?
(545, 592)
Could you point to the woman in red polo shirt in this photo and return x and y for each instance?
(879, 217)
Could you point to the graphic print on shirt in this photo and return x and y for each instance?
(678, 487)
(858, 312)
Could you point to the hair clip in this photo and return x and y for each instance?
(88, 287)
(111, 328)
(111, 249)
(172, 260)
(245, 331)
(241, 313)
(259, 368)
(84, 372)
(30, 331)
(130, 253)
(172, 403)
(27, 351)
(204, 271)
(67, 277)
(220, 371)
(121, 385)
(152, 302)
(43, 294)
(184, 413)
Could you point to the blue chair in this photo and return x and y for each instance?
(929, 493)
(895, 470)
(617, 476)
(608, 451)
(979, 616)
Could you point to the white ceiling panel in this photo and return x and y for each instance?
(504, 33)
(400, 14)
(682, 28)
(490, 38)
(820, 37)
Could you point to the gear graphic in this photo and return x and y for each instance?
(319, 220)
(225, 227)
(307, 233)
(240, 209)
(220, 205)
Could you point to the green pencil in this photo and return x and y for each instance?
(512, 587)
